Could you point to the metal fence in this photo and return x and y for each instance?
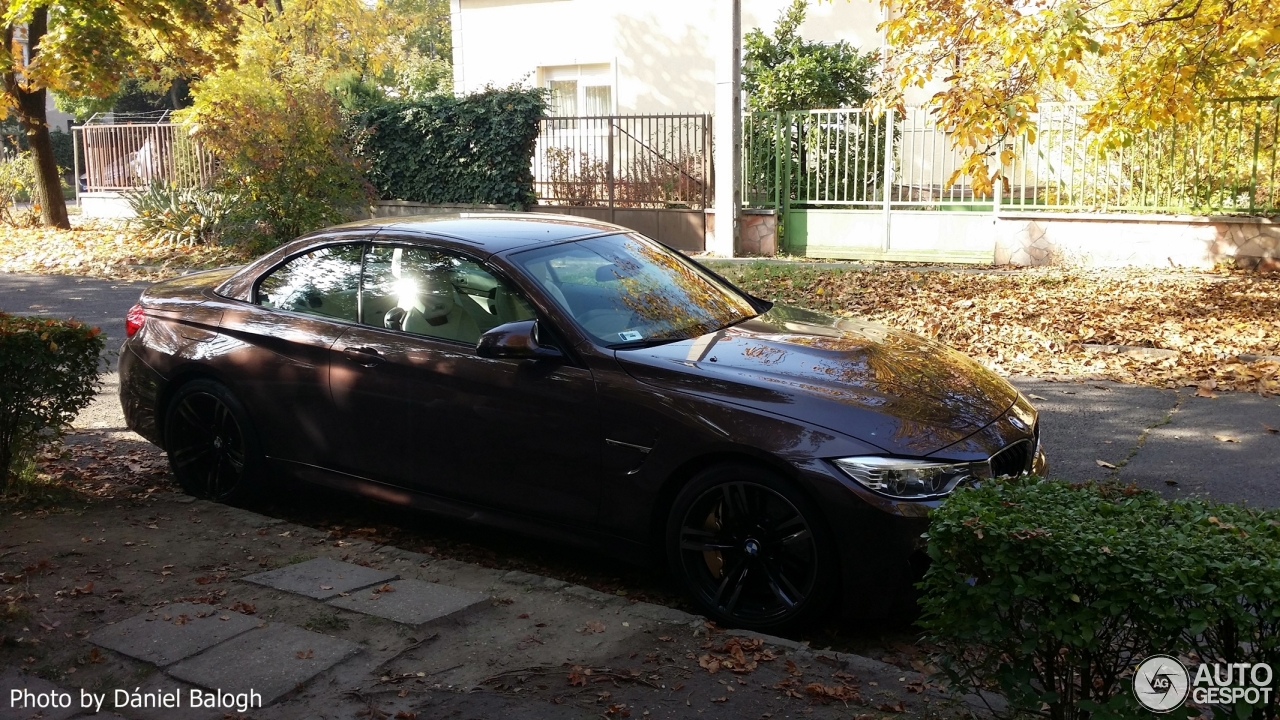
(1225, 161)
(624, 161)
(115, 156)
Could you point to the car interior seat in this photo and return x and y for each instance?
(433, 310)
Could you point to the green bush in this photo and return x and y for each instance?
(441, 149)
(63, 151)
(180, 216)
(282, 148)
(48, 374)
(1050, 593)
(17, 183)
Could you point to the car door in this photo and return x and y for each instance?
(425, 412)
(281, 369)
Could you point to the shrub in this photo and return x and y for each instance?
(180, 216)
(281, 141)
(48, 373)
(63, 150)
(1051, 593)
(17, 182)
(441, 149)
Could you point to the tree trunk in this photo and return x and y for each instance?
(29, 102)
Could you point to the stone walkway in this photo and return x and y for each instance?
(225, 651)
(145, 604)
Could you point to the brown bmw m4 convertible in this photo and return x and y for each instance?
(576, 381)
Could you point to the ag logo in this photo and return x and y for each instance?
(1161, 683)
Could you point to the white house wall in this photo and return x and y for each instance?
(659, 50)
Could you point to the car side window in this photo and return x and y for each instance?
(324, 282)
(436, 293)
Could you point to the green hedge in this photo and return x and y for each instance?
(48, 374)
(1050, 593)
(474, 149)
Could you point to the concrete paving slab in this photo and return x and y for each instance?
(412, 602)
(34, 693)
(1081, 423)
(322, 578)
(1218, 447)
(165, 635)
(270, 661)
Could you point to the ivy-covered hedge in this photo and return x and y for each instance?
(48, 374)
(474, 149)
(1051, 593)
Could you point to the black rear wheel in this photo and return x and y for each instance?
(750, 549)
(212, 450)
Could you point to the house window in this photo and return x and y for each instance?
(564, 98)
(578, 90)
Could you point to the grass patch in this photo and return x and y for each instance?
(326, 622)
(29, 489)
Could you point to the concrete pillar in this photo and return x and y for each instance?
(459, 64)
(727, 126)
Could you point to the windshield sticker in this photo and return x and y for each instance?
(629, 335)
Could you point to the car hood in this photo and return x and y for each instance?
(889, 388)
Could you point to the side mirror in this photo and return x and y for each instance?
(518, 340)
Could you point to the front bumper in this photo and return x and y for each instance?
(881, 540)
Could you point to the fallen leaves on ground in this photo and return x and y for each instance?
(737, 655)
(96, 466)
(841, 693)
(243, 608)
(105, 249)
(1041, 321)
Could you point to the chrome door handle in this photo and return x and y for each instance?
(368, 357)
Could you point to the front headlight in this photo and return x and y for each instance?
(910, 479)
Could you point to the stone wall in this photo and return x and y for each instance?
(1137, 240)
(757, 232)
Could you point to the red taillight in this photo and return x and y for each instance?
(133, 320)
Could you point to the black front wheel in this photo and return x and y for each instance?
(212, 451)
(750, 549)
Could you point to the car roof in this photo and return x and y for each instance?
(491, 232)
(487, 233)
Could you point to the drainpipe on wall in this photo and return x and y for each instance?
(728, 127)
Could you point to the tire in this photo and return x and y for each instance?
(213, 450)
(751, 550)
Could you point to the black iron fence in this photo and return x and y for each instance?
(624, 161)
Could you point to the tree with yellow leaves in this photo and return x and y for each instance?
(86, 47)
(1142, 64)
(274, 117)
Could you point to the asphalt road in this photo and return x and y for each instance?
(99, 302)
(1170, 441)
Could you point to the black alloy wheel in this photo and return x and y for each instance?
(748, 548)
(212, 452)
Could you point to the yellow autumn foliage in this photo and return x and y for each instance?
(1142, 64)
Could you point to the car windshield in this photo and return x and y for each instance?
(625, 290)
